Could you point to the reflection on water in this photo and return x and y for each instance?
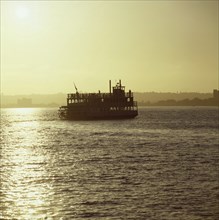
(23, 168)
(161, 165)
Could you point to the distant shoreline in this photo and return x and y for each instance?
(185, 102)
(139, 105)
(143, 99)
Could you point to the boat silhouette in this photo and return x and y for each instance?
(116, 104)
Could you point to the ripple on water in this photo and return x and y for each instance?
(161, 165)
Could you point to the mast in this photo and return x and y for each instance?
(110, 86)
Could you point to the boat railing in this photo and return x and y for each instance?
(95, 95)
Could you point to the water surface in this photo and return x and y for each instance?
(161, 165)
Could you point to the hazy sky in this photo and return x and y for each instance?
(149, 45)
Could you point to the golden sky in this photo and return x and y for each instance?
(150, 45)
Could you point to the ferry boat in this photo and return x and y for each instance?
(116, 104)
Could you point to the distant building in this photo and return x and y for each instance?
(216, 94)
(24, 102)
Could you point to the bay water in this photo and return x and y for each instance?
(161, 165)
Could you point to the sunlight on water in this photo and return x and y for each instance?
(24, 112)
(25, 190)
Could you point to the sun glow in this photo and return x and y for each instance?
(24, 111)
(22, 12)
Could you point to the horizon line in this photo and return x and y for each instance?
(55, 93)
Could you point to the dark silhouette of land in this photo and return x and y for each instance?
(184, 102)
(210, 101)
(33, 100)
(143, 99)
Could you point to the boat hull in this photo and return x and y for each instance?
(89, 115)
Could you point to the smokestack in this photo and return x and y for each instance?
(120, 84)
(110, 86)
